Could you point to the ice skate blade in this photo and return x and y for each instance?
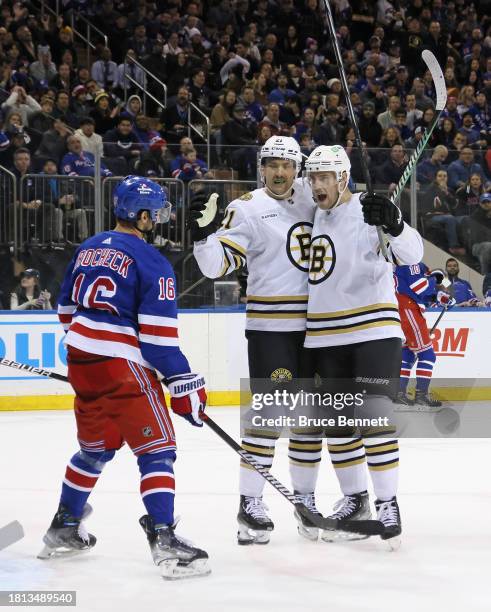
(419, 408)
(247, 536)
(332, 536)
(171, 569)
(48, 552)
(394, 543)
(309, 533)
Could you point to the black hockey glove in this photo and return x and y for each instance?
(438, 275)
(202, 215)
(379, 210)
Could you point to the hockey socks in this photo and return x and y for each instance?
(157, 486)
(348, 460)
(408, 360)
(251, 483)
(383, 463)
(424, 369)
(82, 472)
(304, 454)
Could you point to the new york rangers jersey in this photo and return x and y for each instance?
(273, 237)
(351, 286)
(118, 299)
(413, 282)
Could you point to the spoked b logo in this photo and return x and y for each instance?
(322, 259)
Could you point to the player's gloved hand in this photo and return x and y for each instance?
(188, 396)
(438, 275)
(444, 299)
(202, 215)
(379, 210)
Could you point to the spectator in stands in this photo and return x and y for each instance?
(53, 143)
(175, 116)
(78, 162)
(281, 93)
(272, 119)
(62, 110)
(63, 79)
(105, 118)
(156, 160)
(428, 168)
(388, 118)
(370, 128)
(201, 95)
(445, 133)
(122, 142)
(28, 295)
(307, 125)
(21, 102)
(468, 196)
(436, 208)
(465, 100)
(43, 69)
(480, 233)
(60, 42)
(64, 196)
(330, 130)
(188, 167)
(422, 100)
(481, 112)
(104, 71)
(222, 111)
(241, 133)
(132, 72)
(91, 141)
(391, 171)
(413, 114)
(469, 129)
(460, 289)
(451, 111)
(42, 120)
(140, 43)
(460, 171)
(133, 107)
(254, 110)
(38, 219)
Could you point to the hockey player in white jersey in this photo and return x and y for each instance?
(353, 323)
(270, 230)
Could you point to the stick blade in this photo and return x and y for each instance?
(10, 534)
(438, 78)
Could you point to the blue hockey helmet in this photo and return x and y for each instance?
(136, 193)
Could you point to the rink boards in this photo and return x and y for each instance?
(215, 345)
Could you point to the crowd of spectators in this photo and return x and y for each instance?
(256, 68)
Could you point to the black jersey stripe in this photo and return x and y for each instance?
(353, 325)
(342, 317)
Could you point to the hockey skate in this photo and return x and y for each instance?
(351, 507)
(388, 513)
(67, 536)
(176, 557)
(403, 402)
(305, 528)
(254, 524)
(423, 402)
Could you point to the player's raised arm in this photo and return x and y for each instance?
(218, 250)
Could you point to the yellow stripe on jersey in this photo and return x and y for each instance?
(352, 312)
(278, 298)
(232, 244)
(276, 315)
(361, 326)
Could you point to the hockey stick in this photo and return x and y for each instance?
(367, 527)
(444, 310)
(351, 112)
(441, 100)
(364, 527)
(10, 534)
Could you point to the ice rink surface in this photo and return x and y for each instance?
(444, 562)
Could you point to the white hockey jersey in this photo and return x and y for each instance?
(273, 238)
(351, 286)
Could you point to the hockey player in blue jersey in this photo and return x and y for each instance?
(118, 307)
(416, 286)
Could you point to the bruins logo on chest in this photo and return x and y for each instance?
(322, 259)
(298, 245)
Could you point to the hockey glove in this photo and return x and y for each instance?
(188, 396)
(438, 275)
(445, 300)
(202, 215)
(379, 210)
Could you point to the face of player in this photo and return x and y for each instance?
(145, 223)
(279, 175)
(325, 188)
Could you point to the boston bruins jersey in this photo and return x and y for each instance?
(351, 286)
(273, 238)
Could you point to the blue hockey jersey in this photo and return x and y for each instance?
(81, 165)
(118, 299)
(414, 282)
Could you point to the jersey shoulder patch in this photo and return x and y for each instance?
(246, 196)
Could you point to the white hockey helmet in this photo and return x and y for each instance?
(329, 159)
(282, 147)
